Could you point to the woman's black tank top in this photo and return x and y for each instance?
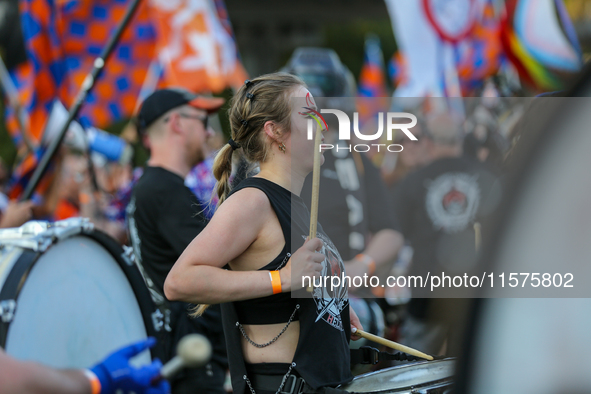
(322, 354)
(277, 308)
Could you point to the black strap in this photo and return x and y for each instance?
(370, 355)
(293, 384)
(331, 390)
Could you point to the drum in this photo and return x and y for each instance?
(427, 377)
(70, 295)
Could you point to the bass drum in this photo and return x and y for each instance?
(70, 295)
(426, 377)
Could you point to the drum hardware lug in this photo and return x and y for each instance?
(72, 226)
(43, 244)
(157, 320)
(37, 244)
(32, 228)
(128, 256)
(167, 320)
(161, 321)
(78, 224)
(7, 310)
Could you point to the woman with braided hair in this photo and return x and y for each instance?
(278, 335)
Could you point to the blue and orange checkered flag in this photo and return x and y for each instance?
(63, 38)
(481, 53)
(372, 92)
(398, 69)
(85, 28)
(372, 82)
(39, 80)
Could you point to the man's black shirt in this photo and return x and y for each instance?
(164, 217)
(437, 207)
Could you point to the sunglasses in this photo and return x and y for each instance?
(204, 119)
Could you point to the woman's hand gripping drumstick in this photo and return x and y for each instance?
(392, 344)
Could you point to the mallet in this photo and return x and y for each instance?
(194, 350)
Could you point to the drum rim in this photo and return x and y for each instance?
(437, 382)
(23, 265)
(13, 284)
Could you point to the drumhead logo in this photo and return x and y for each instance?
(389, 121)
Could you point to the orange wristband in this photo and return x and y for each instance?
(371, 264)
(95, 383)
(275, 281)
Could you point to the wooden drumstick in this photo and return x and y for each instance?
(392, 344)
(193, 350)
(477, 236)
(315, 188)
(315, 185)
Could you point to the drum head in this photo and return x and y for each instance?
(75, 307)
(423, 375)
(539, 342)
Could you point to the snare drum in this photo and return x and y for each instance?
(427, 377)
(70, 295)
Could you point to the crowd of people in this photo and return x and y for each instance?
(204, 233)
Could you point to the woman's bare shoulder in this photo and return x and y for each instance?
(236, 224)
(247, 206)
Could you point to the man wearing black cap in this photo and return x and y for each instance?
(164, 216)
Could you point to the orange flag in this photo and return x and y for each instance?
(195, 49)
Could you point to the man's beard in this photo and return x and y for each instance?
(197, 157)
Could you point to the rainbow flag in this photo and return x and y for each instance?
(538, 38)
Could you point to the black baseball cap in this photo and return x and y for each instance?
(163, 100)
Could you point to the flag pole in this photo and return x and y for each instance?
(15, 102)
(87, 85)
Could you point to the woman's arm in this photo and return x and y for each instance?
(198, 276)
